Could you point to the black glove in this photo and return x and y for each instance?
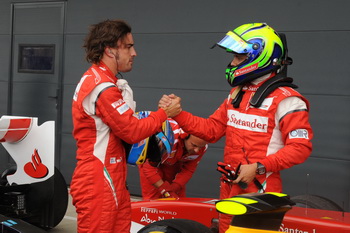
(230, 174)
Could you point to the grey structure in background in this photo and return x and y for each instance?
(172, 39)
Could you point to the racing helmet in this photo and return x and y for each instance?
(153, 148)
(263, 47)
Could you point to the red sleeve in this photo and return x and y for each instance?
(150, 172)
(297, 134)
(187, 169)
(210, 129)
(115, 113)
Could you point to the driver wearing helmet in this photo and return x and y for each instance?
(168, 176)
(265, 120)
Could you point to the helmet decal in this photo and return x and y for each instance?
(154, 148)
(246, 70)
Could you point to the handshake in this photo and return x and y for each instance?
(171, 105)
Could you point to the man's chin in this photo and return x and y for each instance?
(126, 70)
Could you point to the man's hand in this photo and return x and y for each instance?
(230, 174)
(165, 101)
(166, 191)
(171, 105)
(175, 187)
(247, 173)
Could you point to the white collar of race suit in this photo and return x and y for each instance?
(261, 79)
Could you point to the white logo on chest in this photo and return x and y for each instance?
(247, 121)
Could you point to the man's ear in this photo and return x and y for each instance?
(108, 51)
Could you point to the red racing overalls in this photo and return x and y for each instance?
(257, 135)
(101, 120)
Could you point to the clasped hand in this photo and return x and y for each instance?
(171, 105)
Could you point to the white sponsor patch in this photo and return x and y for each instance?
(266, 104)
(120, 106)
(299, 133)
(113, 160)
(123, 108)
(246, 121)
(117, 103)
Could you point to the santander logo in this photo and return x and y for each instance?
(36, 168)
(246, 69)
(248, 122)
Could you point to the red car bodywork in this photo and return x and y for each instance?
(297, 220)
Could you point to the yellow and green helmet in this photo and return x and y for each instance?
(262, 45)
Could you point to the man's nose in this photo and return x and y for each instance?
(134, 54)
(234, 62)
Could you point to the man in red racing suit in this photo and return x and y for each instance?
(102, 119)
(277, 135)
(260, 140)
(174, 171)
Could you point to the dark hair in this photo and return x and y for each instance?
(102, 35)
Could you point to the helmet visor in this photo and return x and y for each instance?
(234, 43)
(164, 146)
